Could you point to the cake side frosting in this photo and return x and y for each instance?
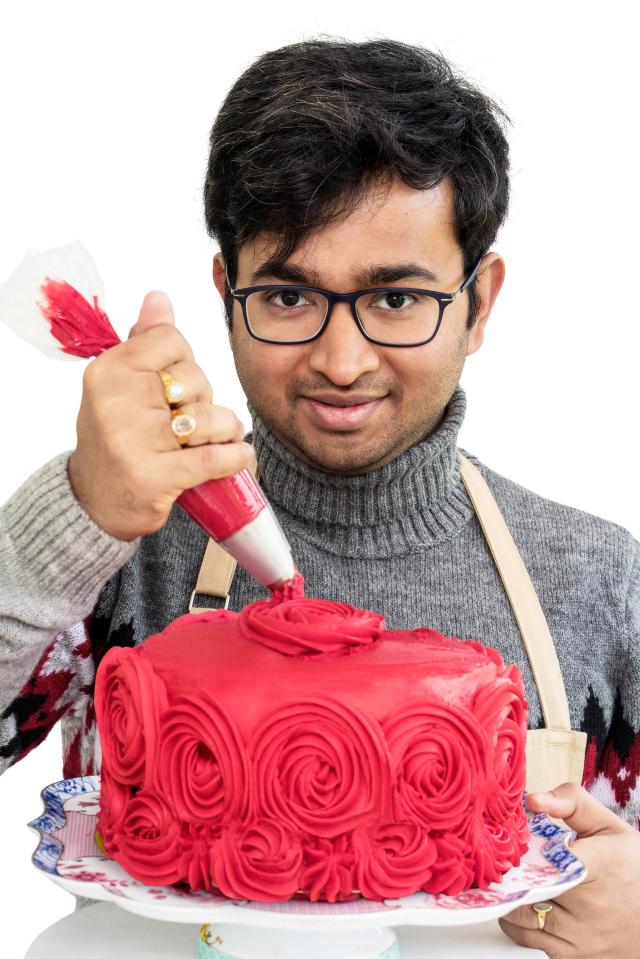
(299, 748)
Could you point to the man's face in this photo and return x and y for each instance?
(340, 403)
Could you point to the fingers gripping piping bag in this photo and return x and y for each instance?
(52, 300)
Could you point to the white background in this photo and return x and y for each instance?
(104, 119)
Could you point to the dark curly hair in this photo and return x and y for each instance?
(304, 131)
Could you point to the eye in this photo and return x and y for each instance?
(400, 299)
(289, 298)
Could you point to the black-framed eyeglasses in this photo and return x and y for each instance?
(283, 314)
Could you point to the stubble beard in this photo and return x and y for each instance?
(351, 458)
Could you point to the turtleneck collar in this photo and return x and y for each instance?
(411, 502)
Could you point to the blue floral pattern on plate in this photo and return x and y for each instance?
(68, 854)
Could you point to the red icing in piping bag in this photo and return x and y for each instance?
(232, 510)
(232, 504)
(81, 329)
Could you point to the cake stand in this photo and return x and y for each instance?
(239, 929)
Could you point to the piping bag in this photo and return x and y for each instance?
(52, 300)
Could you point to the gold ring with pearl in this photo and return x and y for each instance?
(174, 391)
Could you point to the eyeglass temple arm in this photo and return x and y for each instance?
(468, 279)
(226, 273)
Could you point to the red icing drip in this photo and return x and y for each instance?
(81, 329)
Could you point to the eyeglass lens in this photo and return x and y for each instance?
(394, 316)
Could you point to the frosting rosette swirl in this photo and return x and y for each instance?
(260, 860)
(321, 766)
(306, 627)
(202, 766)
(114, 798)
(130, 701)
(200, 841)
(329, 869)
(500, 701)
(453, 868)
(439, 763)
(502, 712)
(509, 771)
(394, 859)
(149, 841)
(496, 848)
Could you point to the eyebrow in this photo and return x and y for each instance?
(375, 275)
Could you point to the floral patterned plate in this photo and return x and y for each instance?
(68, 853)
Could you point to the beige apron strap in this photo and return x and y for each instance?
(523, 598)
(554, 754)
(217, 570)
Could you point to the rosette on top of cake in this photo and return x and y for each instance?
(300, 749)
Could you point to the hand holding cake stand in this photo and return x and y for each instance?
(68, 853)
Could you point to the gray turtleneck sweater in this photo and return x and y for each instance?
(403, 540)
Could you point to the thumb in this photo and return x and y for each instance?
(578, 808)
(156, 309)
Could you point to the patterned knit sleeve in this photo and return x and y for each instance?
(612, 768)
(61, 681)
(54, 564)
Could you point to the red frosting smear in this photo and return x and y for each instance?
(298, 627)
(292, 589)
(80, 328)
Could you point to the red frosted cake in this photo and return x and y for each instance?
(300, 749)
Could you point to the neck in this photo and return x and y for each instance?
(414, 500)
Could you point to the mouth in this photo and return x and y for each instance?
(341, 414)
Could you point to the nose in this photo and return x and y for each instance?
(342, 353)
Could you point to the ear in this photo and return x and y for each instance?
(490, 278)
(219, 277)
(220, 281)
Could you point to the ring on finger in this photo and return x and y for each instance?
(174, 391)
(183, 425)
(541, 909)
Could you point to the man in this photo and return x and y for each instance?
(339, 167)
